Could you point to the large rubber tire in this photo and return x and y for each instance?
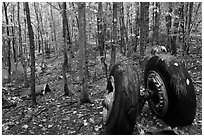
(178, 105)
(125, 107)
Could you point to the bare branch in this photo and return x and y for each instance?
(53, 6)
(59, 5)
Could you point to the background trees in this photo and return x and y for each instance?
(130, 28)
(8, 43)
(171, 19)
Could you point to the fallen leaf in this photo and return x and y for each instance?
(44, 120)
(44, 129)
(97, 127)
(25, 126)
(49, 126)
(85, 122)
(40, 125)
(91, 120)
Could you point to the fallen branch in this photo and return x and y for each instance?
(79, 128)
(39, 112)
(97, 79)
(76, 83)
(33, 115)
(84, 115)
(9, 106)
(53, 6)
(53, 59)
(69, 104)
(198, 83)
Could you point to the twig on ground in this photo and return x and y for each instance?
(79, 128)
(84, 115)
(197, 65)
(69, 104)
(9, 106)
(33, 115)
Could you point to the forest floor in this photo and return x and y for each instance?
(58, 114)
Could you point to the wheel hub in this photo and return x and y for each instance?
(157, 90)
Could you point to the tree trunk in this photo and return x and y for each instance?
(39, 44)
(32, 53)
(168, 25)
(69, 43)
(181, 26)
(144, 27)
(25, 34)
(137, 28)
(185, 27)
(122, 29)
(113, 49)
(127, 33)
(189, 27)
(64, 19)
(22, 58)
(42, 33)
(19, 31)
(9, 43)
(157, 24)
(54, 30)
(174, 37)
(68, 33)
(101, 25)
(64, 65)
(38, 26)
(82, 42)
(13, 33)
(100, 28)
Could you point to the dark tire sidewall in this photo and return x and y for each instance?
(167, 66)
(119, 121)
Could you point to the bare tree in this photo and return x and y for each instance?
(22, 58)
(188, 29)
(127, 32)
(32, 53)
(8, 42)
(54, 28)
(122, 30)
(156, 23)
(38, 26)
(185, 18)
(12, 17)
(173, 46)
(181, 24)
(100, 28)
(136, 27)
(113, 49)
(64, 65)
(42, 31)
(144, 27)
(82, 52)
